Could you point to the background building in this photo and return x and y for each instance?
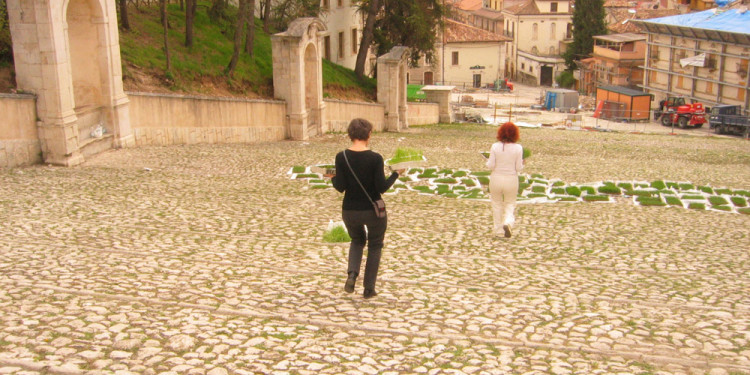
(341, 40)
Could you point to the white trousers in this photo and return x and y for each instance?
(503, 192)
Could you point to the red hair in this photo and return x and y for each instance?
(508, 133)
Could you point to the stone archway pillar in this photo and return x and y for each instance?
(392, 68)
(299, 85)
(43, 65)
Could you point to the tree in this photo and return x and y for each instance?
(250, 40)
(218, 10)
(286, 11)
(588, 21)
(165, 24)
(124, 22)
(266, 11)
(239, 32)
(411, 24)
(6, 44)
(192, 6)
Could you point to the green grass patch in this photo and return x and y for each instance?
(484, 180)
(298, 169)
(744, 193)
(565, 198)
(521, 178)
(697, 206)
(522, 186)
(693, 197)
(458, 174)
(539, 181)
(686, 186)
(673, 201)
(609, 189)
(443, 189)
(400, 186)
(722, 208)
(573, 190)
(526, 153)
(643, 193)
(718, 201)
(319, 186)
(588, 190)
(724, 191)
(336, 234)
(405, 154)
(445, 171)
(745, 210)
(307, 175)
(404, 179)
(538, 189)
(658, 184)
(537, 175)
(480, 173)
(414, 93)
(473, 194)
(557, 191)
(427, 174)
(459, 187)
(739, 201)
(468, 182)
(667, 192)
(706, 189)
(423, 189)
(536, 195)
(625, 185)
(446, 180)
(650, 201)
(672, 185)
(415, 170)
(596, 198)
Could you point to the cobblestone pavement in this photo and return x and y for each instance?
(209, 260)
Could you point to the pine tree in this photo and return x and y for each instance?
(588, 21)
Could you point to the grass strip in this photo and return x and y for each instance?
(337, 234)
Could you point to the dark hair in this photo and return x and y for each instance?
(359, 128)
(508, 133)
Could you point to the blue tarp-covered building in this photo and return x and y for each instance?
(702, 56)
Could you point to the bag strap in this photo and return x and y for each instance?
(356, 178)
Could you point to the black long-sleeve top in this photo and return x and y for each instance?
(369, 168)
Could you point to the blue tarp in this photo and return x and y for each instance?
(731, 20)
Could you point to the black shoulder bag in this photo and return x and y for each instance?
(378, 205)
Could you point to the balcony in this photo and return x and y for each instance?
(615, 54)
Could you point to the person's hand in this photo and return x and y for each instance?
(329, 175)
(401, 172)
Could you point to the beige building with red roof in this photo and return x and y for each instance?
(473, 58)
(541, 30)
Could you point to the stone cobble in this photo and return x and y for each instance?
(210, 260)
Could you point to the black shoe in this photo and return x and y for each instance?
(506, 228)
(369, 293)
(349, 286)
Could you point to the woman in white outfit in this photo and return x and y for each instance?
(505, 162)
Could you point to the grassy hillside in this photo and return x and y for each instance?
(200, 69)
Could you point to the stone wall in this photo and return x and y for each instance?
(422, 113)
(339, 113)
(163, 119)
(19, 139)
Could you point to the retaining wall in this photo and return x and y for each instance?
(339, 113)
(19, 140)
(422, 113)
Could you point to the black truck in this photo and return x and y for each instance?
(728, 119)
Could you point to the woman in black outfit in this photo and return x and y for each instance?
(357, 210)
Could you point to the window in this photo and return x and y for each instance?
(654, 52)
(523, 66)
(341, 45)
(552, 31)
(710, 61)
(455, 58)
(327, 47)
(534, 32)
(325, 4)
(742, 68)
(354, 41)
(553, 7)
(340, 3)
(428, 59)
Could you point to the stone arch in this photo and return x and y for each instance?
(68, 54)
(298, 76)
(392, 68)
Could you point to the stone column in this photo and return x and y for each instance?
(392, 87)
(442, 96)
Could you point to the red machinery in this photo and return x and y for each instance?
(674, 111)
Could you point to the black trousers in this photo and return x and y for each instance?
(355, 222)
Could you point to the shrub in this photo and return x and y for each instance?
(686, 186)
(722, 208)
(673, 201)
(724, 191)
(337, 234)
(538, 189)
(745, 210)
(446, 180)
(609, 189)
(658, 184)
(565, 79)
(459, 174)
(573, 190)
(596, 198)
(625, 185)
(717, 201)
(650, 201)
(706, 189)
(739, 201)
(697, 206)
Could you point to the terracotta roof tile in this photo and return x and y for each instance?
(456, 32)
(621, 15)
(525, 8)
(467, 4)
